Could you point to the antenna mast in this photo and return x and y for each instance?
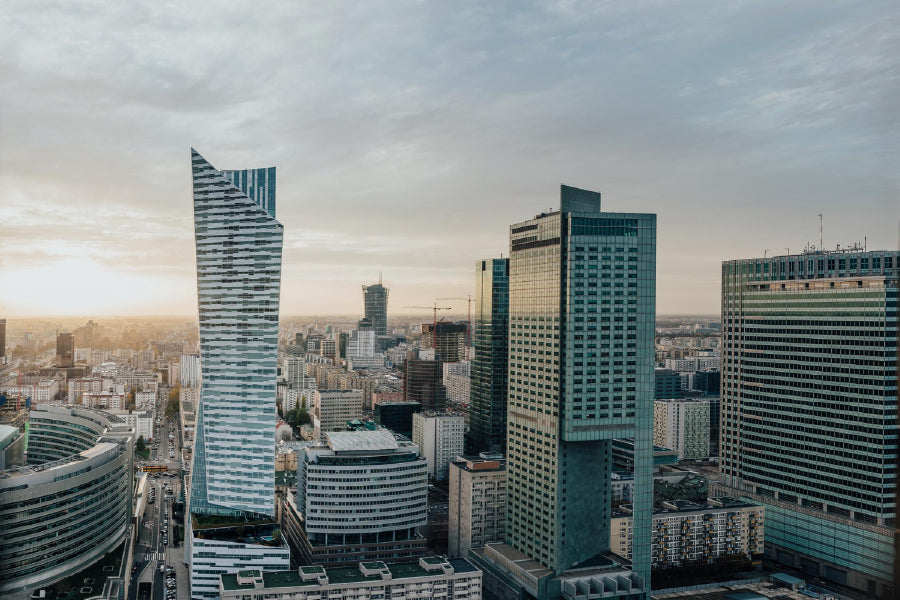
(821, 243)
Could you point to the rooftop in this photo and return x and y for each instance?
(343, 575)
(361, 441)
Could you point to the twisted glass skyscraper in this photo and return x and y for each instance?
(239, 246)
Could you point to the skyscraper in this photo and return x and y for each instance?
(809, 407)
(238, 281)
(582, 295)
(65, 350)
(375, 300)
(487, 397)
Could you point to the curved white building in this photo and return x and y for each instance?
(71, 503)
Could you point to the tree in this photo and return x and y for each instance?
(141, 445)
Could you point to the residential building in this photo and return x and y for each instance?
(360, 495)
(809, 408)
(687, 533)
(239, 246)
(375, 301)
(682, 424)
(449, 343)
(457, 382)
(693, 363)
(333, 408)
(489, 378)
(581, 373)
(477, 510)
(440, 438)
(190, 370)
(140, 421)
(432, 577)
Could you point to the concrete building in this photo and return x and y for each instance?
(477, 511)
(71, 503)
(112, 400)
(12, 447)
(582, 297)
(145, 400)
(809, 408)
(239, 244)
(440, 438)
(333, 408)
(140, 421)
(433, 577)
(449, 343)
(683, 426)
(686, 533)
(693, 363)
(190, 370)
(361, 495)
(488, 382)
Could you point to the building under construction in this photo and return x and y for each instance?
(449, 342)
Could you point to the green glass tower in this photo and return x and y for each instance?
(582, 296)
(487, 403)
(809, 408)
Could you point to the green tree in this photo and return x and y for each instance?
(141, 445)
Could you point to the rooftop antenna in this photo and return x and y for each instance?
(765, 252)
(788, 251)
(379, 277)
(821, 243)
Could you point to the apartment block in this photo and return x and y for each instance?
(477, 511)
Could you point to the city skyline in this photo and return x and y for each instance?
(405, 145)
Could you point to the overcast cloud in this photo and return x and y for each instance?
(408, 136)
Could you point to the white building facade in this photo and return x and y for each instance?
(477, 511)
(440, 438)
(682, 424)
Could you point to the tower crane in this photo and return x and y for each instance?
(468, 299)
(435, 308)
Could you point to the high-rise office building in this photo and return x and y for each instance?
(375, 300)
(809, 407)
(422, 383)
(581, 373)
(2, 338)
(65, 350)
(238, 281)
(668, 384)
(488, 379)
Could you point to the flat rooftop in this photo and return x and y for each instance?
(339, 575)
(361, 441)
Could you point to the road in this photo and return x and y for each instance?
(157, 536)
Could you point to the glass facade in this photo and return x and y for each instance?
(809, 402)
(239, 246)
(375, 300)
(487, 396)
(582, 302)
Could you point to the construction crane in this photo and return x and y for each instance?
(468, 320)
(435, 308)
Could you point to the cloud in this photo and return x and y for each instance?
(408, 136)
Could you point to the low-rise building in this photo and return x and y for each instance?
(689, 533)
(334, 408)
(433, 577)
(477, 511)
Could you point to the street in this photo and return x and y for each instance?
(158, 544)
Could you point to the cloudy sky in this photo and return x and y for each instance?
(409, 135)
